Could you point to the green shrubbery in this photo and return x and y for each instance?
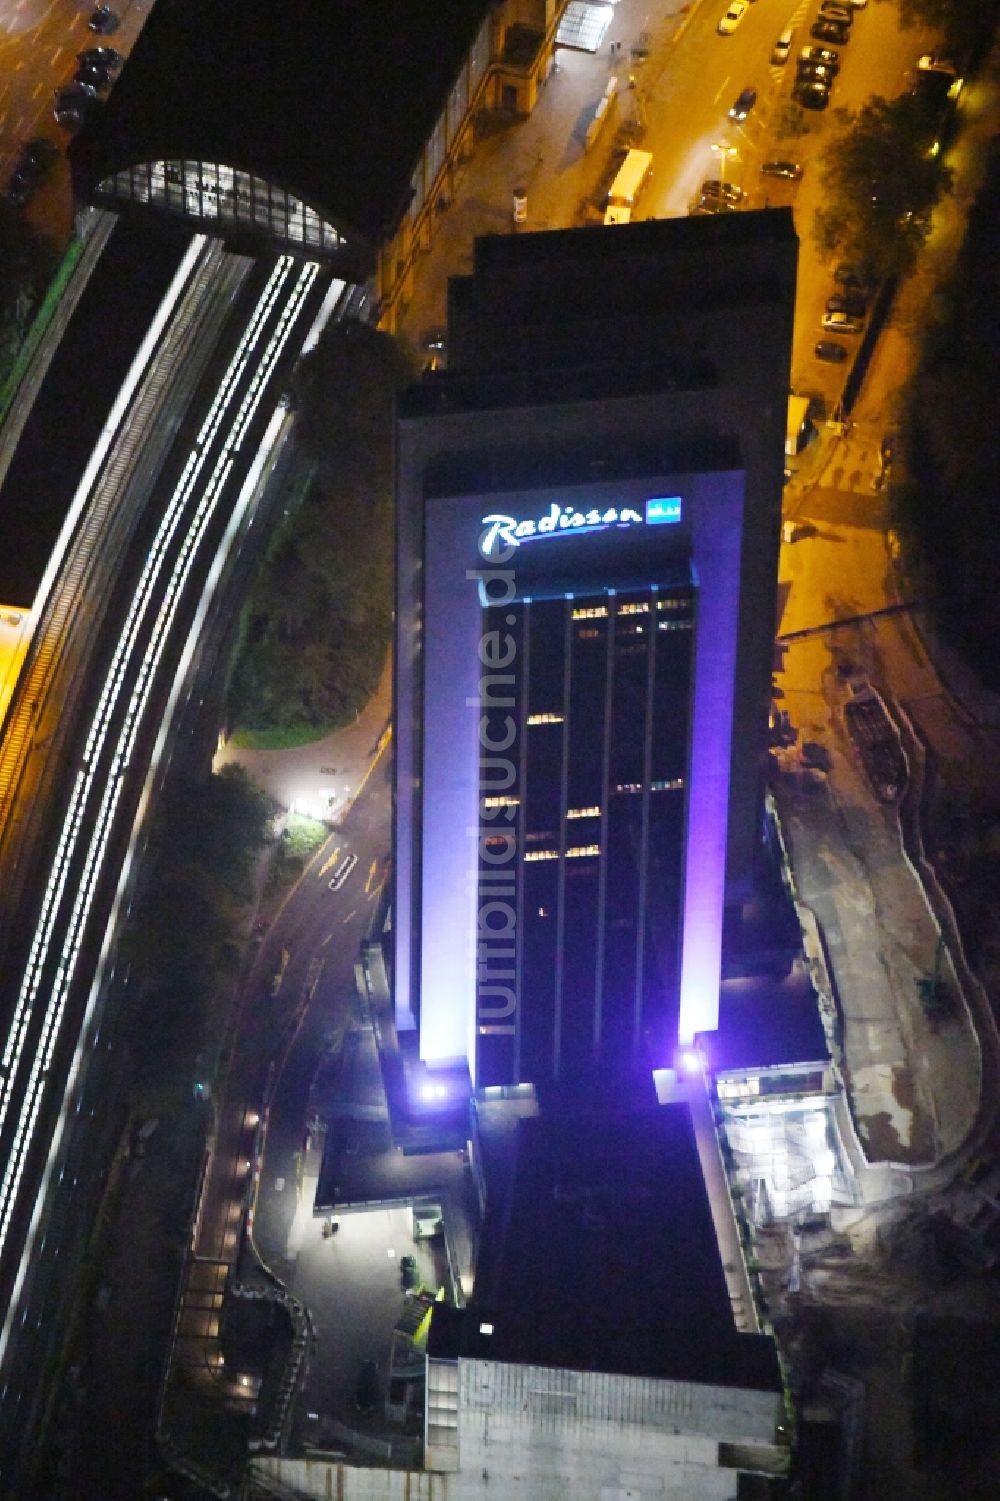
(317, 622)
(182, 940)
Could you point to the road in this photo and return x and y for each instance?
(39, 40)
(87, 809)
(278, 1042)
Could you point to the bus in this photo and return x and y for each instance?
(625, 189)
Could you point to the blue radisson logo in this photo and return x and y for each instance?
(665, 508)
(501, 532)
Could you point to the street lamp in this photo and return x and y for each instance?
(724, 152)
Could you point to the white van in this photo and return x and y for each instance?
(782, 47)
(625, 189)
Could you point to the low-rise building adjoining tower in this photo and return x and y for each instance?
(599, 1355)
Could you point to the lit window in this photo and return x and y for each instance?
(545, 718)
(540, 855)
(636, 608)
(588, 633)
(486, 1328)
(590, 612)
(672, 603)
(629, 787)
(737, 1089)
(593, 812)
(578, 851)
(536, 837)
(675, 625)
(503, 801)
(671, 785)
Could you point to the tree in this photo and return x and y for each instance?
(317, 623)
(882, 180)
(27, 262)
(966, 26)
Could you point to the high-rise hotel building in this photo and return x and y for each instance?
(588, 524)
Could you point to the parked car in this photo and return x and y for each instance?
(811, 94)
(831, 31)
(840, 323)
(366, 1392)
(824, 55)
(711, 205)
(408, 1273)
(850, 300)
(96, 77)
(734, 15)
(816, 73)
(714, 188)
(831, 351)
(103, 20)
(743, 104)
(100, 57)
(833, 10)
(32, 166)
(847, 275)
(791, 170)
(935, 62)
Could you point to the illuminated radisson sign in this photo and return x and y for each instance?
(501, 532)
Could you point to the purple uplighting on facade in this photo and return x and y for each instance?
(718, 536)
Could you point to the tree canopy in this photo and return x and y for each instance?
(946, 509)
(966, 26)
(27, 262)
(882, 180)
(317, 622)
(181, 939)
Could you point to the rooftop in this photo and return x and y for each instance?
(600, 1254)
(331, 102)
(766, 1023)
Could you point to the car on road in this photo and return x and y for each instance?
(782, 48)
(840, 323)
(734, 15)
(791, 170)
(100, 57)
(830, 351)
(831, 31)
(714, 188)
(831, 10)
(824, 55)
(366, 1392)
(342, 872)
(811, 94)
(849, 300)
(103, 20)
(743, 104)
